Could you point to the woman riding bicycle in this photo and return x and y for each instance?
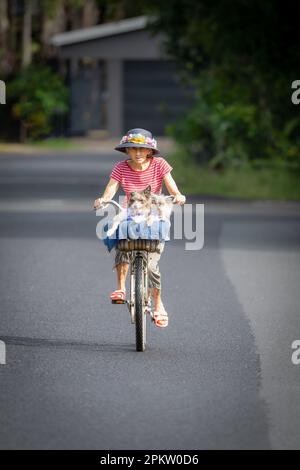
(144, 167)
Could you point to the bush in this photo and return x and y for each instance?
(36, 95)
(227, 127)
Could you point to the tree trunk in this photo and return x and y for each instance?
(3, 24)
(27, 33)
(4, 30)
(90, 14)
(53, 22)
(23, 132)
(12, 33)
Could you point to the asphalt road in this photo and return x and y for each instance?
(220, 376)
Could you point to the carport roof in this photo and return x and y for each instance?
(100, 31)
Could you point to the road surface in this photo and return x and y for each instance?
(219, 377)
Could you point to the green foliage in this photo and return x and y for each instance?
(242, 58)
(229, 128)
(246, 181)
(37, 95)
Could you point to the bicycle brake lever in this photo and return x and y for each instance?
(100, 207)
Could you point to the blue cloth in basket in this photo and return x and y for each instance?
(128, 229)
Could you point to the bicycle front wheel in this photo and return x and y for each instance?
(140, 317)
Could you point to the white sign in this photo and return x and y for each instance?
(2, 353)
(2, 92)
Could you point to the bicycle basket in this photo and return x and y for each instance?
(132, 236)
(139, 244)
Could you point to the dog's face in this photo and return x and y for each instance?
(140, 201)
(162, 206)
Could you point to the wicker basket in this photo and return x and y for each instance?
(139, 244)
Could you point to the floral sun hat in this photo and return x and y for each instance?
(138, 138)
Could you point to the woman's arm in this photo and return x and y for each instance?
(109, 192)
(173, 189)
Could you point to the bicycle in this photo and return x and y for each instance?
(139, 303)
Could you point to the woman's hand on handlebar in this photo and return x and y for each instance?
(100, 202)
(179, 199)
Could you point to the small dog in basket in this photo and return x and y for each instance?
(161, 209)
(143, 206)
(138, 210)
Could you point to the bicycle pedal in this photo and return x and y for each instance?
(118, 301)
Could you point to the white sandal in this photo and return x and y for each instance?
(118, 294)
(161, 319)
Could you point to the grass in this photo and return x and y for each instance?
(59, 143)
(47, 144)
(244, 182)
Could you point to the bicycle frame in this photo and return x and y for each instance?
(147, 298)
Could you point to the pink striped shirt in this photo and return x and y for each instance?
(137, 180)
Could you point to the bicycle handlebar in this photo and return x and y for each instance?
(111, 201)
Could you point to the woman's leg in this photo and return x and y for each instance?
(156, 296)
(122, 270)
(154, 281)
(121, 265)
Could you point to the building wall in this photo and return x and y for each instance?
(86, 97)
(141, 87)
(152, 95)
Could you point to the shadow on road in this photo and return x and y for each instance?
(67, 344)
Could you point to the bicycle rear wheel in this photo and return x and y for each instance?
(140, 317)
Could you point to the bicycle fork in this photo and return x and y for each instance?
(146, 296)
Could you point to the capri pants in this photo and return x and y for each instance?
(154, 276)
